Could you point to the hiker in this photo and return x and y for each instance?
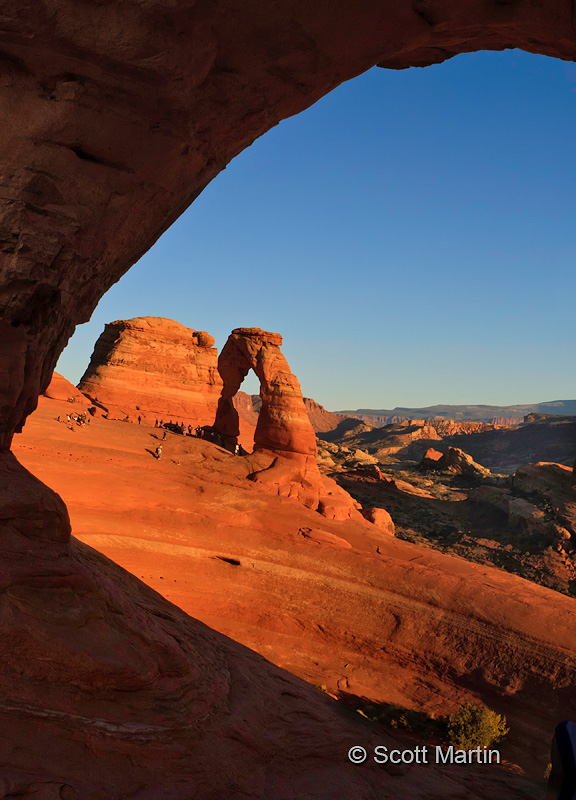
(158, 452)
(139, 419)
(163, 435)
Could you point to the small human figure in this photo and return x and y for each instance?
(158, 452)
(139, 419)
(163, 435)
(236, 449)
(189, 430)
(161, 423)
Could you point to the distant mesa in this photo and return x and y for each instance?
(493, 415)
(154, 368)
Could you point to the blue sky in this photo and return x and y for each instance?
(411, 235)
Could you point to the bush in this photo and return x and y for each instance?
(475, 726)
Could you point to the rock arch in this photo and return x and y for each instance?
(283, 426)
(284, 440)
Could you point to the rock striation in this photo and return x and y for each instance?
(154, 368)
(449, 427)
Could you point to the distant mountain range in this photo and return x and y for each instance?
(497, 415)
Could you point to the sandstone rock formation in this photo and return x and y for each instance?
(90, 198)
(109, 690)
(449, 427)
(321, 419)
(336, 603)
(454, 460)
(521, 513)
(381, 518)
(154, 368)
(283, 426)
(248, 407)
(432, 458)
(284, 437)
(61, 389)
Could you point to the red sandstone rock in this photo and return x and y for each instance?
(283, 427)
(284, 439)
(442, 630)
(432, 458)
(119, 133)
(98, 670)
(381, 518)
(154, 368)
(61, 389)
(454, 460)
(321, 420)
(522, 514)
(449, 427)
(247, 406)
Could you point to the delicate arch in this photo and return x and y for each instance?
(283, 425)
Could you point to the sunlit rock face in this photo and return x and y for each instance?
(115, 117)
(151, 368)
(283, 426)
(284, 436)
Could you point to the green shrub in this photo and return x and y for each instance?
(475, 726)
